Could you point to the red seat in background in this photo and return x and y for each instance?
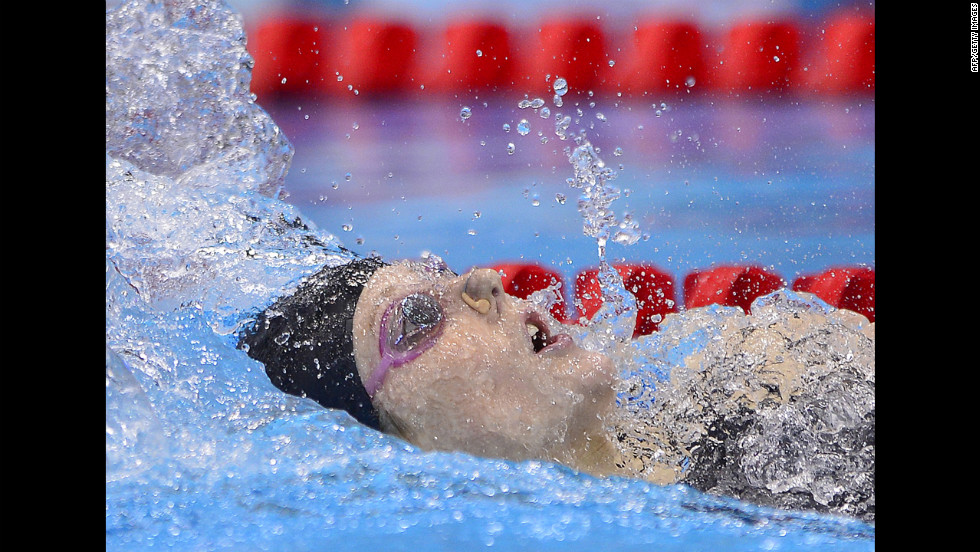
(523, 279)
(845, 288)
(732, 286)
(653, 289)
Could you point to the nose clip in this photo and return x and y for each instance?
(481, 287)
(482, 306)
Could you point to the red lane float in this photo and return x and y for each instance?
(758, 56)
(653, 289)
(850, 288)
(573, 49)
(475, 56)
(733, 286)
(374, 57)
(521, 280)
(288, 52)
(846, 61)
(665, 55)
(845, 288)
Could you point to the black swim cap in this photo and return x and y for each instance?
(306, 340)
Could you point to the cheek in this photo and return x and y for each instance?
(445, 404)
(586, 379)
(458, 397)
(440, 385)
(600, 370)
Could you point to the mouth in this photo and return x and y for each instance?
(542, 339)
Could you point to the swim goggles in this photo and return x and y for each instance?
(409, 327)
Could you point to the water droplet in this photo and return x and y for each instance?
(347, 227)
(618, 151)
(558, 101)
(477, 214)
(347, 177)
(356, 126)
(612, 62)
(471, 232)
(506, 127)
(510, 148)
(479, 53)
(465, 113)
(560, 198)
(561, 127)
(545, 113)
(690, 81)
(561, 86)
(536, 103)
(523, 127)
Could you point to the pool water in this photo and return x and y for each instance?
(203, 453)
(785, 183)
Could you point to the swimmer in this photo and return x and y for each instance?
(450, 362)
(445, 361)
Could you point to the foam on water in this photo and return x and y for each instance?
(776, 407)
(202, 452)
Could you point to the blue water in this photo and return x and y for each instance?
(783, 183)
(203, 453)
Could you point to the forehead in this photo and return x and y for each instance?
(407, 276)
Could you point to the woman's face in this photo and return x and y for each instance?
(454, 363)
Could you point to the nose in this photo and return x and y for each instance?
(481, 290)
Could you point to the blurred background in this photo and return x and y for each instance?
(739, 132)
(708, 12)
